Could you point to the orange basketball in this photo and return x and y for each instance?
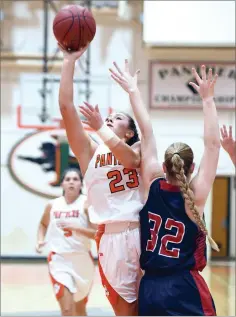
(74, 26)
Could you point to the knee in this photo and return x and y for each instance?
(80, 309)
(67, 311)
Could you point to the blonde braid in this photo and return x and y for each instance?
(178, 169)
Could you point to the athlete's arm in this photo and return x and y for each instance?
(203, 181)
(151, 168)
(80, 142)
(87, 232)
(228, 143)
(128, 156)
(90, 224)
(87, 229)
(90, 231)
(42, 228)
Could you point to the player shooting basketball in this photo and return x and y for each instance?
(111, 176)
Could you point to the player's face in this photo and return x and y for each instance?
(118, 123)
(72, 183)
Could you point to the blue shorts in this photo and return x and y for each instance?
(180, 294)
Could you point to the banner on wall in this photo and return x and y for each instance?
(169, 85)
(38, 161)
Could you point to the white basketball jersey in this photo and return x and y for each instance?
(114, 193)
(59, 240)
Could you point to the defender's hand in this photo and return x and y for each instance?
(125, 79)
(206, 84)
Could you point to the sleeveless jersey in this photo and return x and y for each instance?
(59, 240)
(170, 241)
(114, 192)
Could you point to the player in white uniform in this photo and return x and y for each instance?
(114, 192)
(71, 267)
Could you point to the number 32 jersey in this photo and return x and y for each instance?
(114, 193)
(170, 241)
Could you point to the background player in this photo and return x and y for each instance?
(71, 267)
(113, 187)
(172, 227)
(228, 143)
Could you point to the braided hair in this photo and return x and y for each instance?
(178, 160)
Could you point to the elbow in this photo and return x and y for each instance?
(135, 163)
(62, 106)
(213, 140)
(63, 109)
(213, 144)
(64, 101)
(65, 106)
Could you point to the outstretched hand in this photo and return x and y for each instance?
(39, 246)
(206, 84)
(93, 116)
(124, 78)
(72, 54)
(227, 141)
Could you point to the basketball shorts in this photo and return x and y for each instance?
(180, 294)
(75, 271)
(118, 260)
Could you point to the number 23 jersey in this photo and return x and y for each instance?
(114, 193)
(170, 240)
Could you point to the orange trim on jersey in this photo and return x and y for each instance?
(166, 186)
(111, 294)
(57, 286)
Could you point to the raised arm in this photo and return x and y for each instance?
(203, 181)
(151, 168)
(80, 142)
(228, 143)
(42, 228)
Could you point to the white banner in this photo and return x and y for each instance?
(169, 85)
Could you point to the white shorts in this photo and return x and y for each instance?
(74, 271)
(118, 254)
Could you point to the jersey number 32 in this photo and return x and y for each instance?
(176, 239)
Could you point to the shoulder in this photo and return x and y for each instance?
(157, 181)
(154, 188)
(49, 206)
(136, 146)
(56, 201)
(82, 198)
(81, 201)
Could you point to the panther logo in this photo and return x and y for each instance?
(38, 161)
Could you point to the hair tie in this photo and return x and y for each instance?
(176, 153)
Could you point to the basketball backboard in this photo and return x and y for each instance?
(39, 108)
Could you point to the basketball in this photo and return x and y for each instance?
(73, 27)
